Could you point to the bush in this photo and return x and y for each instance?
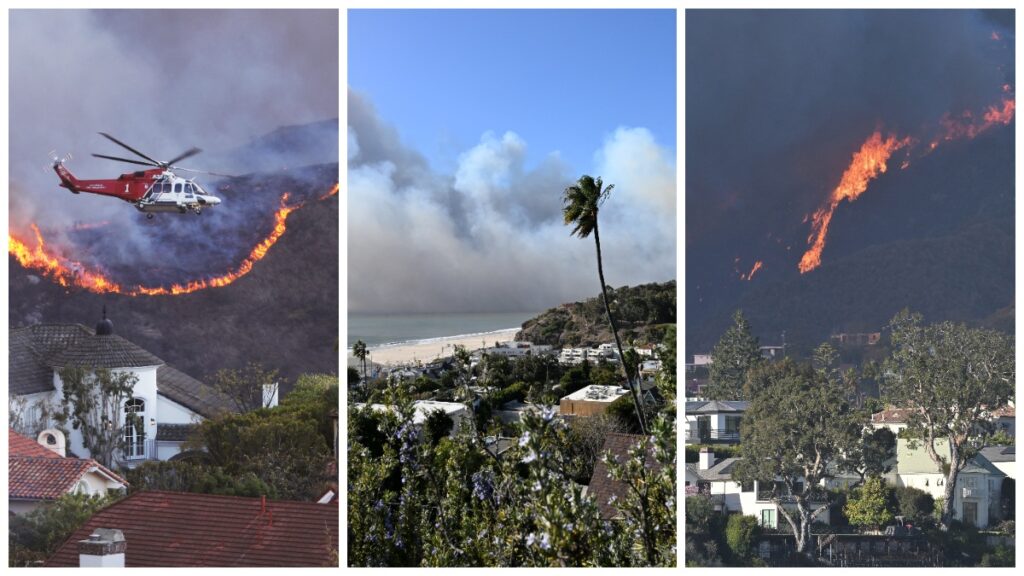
(740, 533)
(35, 536)
(913, 504)
(869, 505)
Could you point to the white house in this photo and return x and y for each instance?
(168, 402)
(714, 479)
(714, 421)
(1003, 458)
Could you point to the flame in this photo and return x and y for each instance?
(995, 36)
(757, 266)
(68, 273)
(968, 126)
(330, 192)
(867, 164)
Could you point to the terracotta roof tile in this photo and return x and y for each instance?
(42, 474)
(18, 445)
(181, 529)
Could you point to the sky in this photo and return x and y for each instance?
(162, 81)
(464, 129)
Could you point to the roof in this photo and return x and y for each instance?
(34, 475)
(597, 393)
(175, 432)
(915, 460)
(891, 416)
(182, 529)
(716, 406)
(191, 393)
(602, 487)
(999, 453)
(1005, 412)
(36, 351)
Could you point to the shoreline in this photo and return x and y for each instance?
(429, 349)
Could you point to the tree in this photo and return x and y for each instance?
(731, 359)
(359, 351)
(249, 388)
(797, 430)
(94, 404)
(35, 536)
(740, 532)
(437, 425)
(581, 203)
(950, 377)
(914, 504)
(869, 505)
(183, 476)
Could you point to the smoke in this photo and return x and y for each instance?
(490, 236)
(162, 81)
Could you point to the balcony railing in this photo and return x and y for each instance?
(707, 436)
(969, 492)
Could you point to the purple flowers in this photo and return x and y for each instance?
(483, 484)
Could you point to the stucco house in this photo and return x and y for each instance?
(168, 402)
(37, 474)
(714, 421)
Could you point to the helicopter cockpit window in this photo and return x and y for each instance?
(177, 188)
(188, 189)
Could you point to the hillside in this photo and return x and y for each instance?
(283, 314)
(640, 312)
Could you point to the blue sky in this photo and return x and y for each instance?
(563, 80)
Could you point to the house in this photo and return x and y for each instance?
(602, 488)
(167, 401)
(856, 338)
(1003, 458)
(714, 421)
(423, 408)
(1005, 420)
(895, 419)
(178, 529)
(590, 400)
(513, 349)
(773, 352)
(976, 499)
(38, 474)
(713, 479)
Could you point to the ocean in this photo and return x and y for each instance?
(378, 329)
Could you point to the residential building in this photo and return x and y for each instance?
(895, 419)
(423, 408)
(178, 529)
(1003, 458)
(590, 400)
(602, 488)
(711, 421)
(166, 401)
(37, 473)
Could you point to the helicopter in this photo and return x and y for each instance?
(158, 189)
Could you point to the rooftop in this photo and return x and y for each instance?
(596, 393)
(182, 529)
(716, 406)
(36, 473)
(602, 487)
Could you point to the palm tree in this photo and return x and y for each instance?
(580, 204)
(359, 351)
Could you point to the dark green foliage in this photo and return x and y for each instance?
(437, 425)
(622, 409)
(353, 376)
(35, 536)
(245, 386)
(732, 358)
(914, 505)
(515, 391)
(720, 450)
(575, 378)
(364, 427)
(180, 476)
(740, 534)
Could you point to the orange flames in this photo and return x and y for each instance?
(968, 126)
(867, 164)
(330, 192)
(750, 275)
(67, 272)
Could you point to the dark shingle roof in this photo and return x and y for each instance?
(30, 349)
(191, 393)
(35, 473)
(999, 453)
(175, 432)
(181, 529)
(722, 471)
(103, 351)
(602, 487)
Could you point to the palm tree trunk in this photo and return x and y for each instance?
(615, 332)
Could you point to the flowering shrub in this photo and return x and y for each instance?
(455, 503)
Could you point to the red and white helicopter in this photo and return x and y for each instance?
(156, 190)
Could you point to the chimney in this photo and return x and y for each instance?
(53, 439)
(707, 458)
(105, 548)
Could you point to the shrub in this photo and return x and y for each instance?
(740, 532)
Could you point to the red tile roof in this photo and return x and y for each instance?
(1005, 412)
(36, 473)
(602, 487)
(182, 529)
(891, 416)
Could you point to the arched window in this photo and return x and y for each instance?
(134, 428)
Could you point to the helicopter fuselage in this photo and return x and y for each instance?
(156, 190)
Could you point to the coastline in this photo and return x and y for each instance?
(427, 350)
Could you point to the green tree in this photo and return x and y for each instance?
(950, 376)
(869, 505)
(914, 504)
(731, 359)
(35, 536)
(182, 476)
(359, 351)
(437, 425)
(94, 404)
(740, 533)
(581, 203)
(248, 388)
(797, 430)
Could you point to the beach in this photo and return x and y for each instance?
(427, 350)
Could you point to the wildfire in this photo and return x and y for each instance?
(867, 164)
(750, 275)
(67, 272)
(330, 193)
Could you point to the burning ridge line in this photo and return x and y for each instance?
(68, 273)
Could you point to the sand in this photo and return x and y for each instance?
(424, 352)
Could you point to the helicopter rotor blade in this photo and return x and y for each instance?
(186, 154)
(204, 172)
(129, 148)
(128, 160)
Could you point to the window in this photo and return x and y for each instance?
(768, 518)
(134, 428)
(177, 188)
(969, 481)
(747, 486)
